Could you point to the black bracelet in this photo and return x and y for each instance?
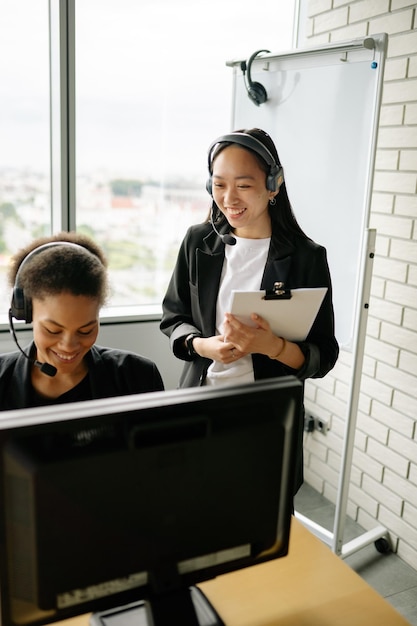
(189, 344)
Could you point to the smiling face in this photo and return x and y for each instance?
(65, 327)
(239, 190)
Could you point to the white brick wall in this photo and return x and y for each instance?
(383, 487)
(363, 11)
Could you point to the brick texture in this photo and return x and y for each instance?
(383, 478)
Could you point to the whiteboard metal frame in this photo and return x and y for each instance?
(377, 43)
(335, 539)
(371, 43)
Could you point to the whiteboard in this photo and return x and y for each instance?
(322, 113)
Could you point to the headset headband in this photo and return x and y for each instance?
(247, 141)
(21, 306)
(36, 251)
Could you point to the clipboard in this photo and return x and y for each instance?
(291, 313)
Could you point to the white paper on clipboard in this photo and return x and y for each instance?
(292, 318)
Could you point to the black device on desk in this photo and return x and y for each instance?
(109, 502)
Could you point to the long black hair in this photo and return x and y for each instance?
(283, 219)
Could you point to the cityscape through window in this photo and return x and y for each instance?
(152, 90)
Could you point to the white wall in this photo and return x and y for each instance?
(383, 489)
(145, 338)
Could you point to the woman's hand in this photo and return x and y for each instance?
(260, 339)
(241, 339)
(217, 348)
(252, 339)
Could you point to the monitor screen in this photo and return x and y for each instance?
(108, 502)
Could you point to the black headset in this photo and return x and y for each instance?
(256, 91)
(21, 305)
(247, 141)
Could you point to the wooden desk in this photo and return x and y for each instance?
(309, 587)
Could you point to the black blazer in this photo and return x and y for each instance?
(190, 302)
(111, 373)
(190, 306)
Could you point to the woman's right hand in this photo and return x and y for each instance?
(217, 349)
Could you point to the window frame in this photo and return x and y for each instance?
(62, 85)
(62, 113)
(62, 63)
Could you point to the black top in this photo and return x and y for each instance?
(110, 373)
(80, 392)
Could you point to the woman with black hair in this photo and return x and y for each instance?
(250, 241)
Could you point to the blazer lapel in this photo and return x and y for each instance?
(278, 265)
(209, 269)
(276, 271)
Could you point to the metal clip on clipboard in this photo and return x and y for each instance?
(277, 293)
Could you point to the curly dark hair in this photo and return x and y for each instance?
(79, 269)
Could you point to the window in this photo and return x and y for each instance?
(25, 186)
(152, 90)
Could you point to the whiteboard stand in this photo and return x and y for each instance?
(335, 539)
(323, 109)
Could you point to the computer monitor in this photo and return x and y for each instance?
(134, 500)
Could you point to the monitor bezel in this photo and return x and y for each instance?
(27, 420)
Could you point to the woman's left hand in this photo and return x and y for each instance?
(251, 339)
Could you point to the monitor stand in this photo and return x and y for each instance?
(188, 607)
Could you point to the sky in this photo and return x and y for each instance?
(152, 86)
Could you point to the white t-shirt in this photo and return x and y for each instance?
(243, 268)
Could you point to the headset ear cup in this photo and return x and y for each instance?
(17, 306)
(257, 93)
(28, 310)
(272, 180)
(209, 185)
(21, 307)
